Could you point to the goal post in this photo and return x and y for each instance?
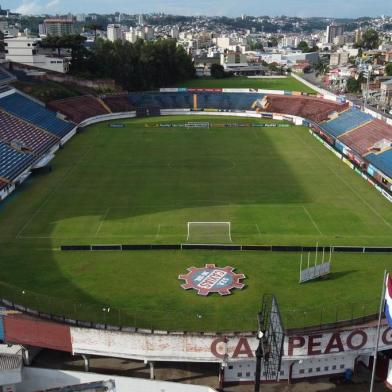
(209, 232)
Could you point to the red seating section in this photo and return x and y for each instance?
(35, 139)
(363, 138)
(78, 109)
(315, 109)
(118, 103)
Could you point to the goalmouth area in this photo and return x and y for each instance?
(142, 184)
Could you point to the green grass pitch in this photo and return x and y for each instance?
(289, 83)
(141, 184)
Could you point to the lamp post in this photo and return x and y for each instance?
(368, 75)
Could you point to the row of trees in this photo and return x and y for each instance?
(140, 66)
(303, 45)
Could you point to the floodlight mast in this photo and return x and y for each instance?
(271, 338)
(259, 352)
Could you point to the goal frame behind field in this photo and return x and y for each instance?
(189, 224)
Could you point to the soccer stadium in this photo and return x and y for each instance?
(150, 225)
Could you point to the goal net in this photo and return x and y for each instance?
(209, 232)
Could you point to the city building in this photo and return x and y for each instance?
(42, 30)
(386, 92)
(333, 31)
(175, 32)
(114, 32)
(25, 51)
(358, 35)
(81, 18)
(131, 35)
(339, 58)
(59, 27)
(148, 33)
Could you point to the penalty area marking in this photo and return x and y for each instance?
(312, 220)
(52, 192)
(102, 221)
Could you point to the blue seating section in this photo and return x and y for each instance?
(13, 162)
(346, 121)
(36, 114)
(382, 161)
(184, 100)
(5, 76)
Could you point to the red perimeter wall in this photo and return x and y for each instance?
(26, 330)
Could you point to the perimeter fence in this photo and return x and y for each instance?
(201, 319)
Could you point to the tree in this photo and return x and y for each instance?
(303, 46)
(256, 46)
(217, 71)
(352, 85)
(143, 65)
(73, 42)
(273, 42)
(370, 39)
(94, 27)
(388, 69)
(321, 68)
(273, 67)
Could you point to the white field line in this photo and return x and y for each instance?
(312, 220)
(258, 229)
(357, 194)
(55, 238)
(53, 191)
(102, 222)
(158, 232)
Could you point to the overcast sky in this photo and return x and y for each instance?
(326, 8)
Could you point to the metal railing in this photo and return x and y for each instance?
(198, 319)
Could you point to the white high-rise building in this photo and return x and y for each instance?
(148, 33)
(175, 32)
(131, 35)
(114, 32)
(141, 20)
(81, 18)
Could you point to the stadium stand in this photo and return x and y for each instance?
(362, 139)
(78, 109)
(314, 109)
(382, 161)
(5, 76)
(185, 100)
(345, 122)
(13, 162)
(31, 111)
(32, 138)
(2, 184)
(118, 103)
